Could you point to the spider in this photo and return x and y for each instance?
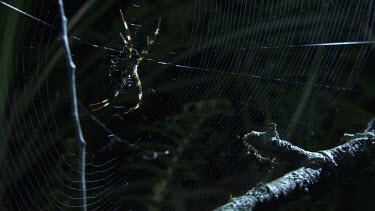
(135, 57)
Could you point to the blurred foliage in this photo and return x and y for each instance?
(174, 180)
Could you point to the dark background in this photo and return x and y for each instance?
(233, 67)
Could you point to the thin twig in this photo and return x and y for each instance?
(77, 124)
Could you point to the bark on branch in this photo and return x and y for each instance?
(311, 168)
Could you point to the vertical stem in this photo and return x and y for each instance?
(370, 125)
(308, 88)
(77, 124)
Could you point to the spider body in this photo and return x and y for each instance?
(134, 59)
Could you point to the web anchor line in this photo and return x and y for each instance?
(252, 48)
(245, 75)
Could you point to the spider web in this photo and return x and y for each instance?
(218, 69)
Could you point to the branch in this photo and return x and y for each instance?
(312, 167)
(74, 107)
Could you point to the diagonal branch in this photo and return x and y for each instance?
(312, 167)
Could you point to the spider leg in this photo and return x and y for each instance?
(150, 42)
(102, 104)
(127, 38)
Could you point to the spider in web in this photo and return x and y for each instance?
(135, 57)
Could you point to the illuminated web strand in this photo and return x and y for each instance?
(47, 24)
(96, 46)
(317, 44)
(24, 13)
(242, 74)
(254, 48)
